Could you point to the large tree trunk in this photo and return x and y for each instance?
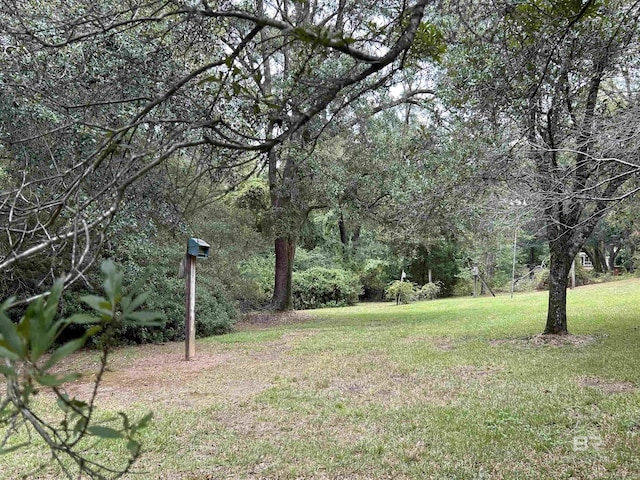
(285, 248)
(344, 235)
(558, 283)
(597, 258)
(489, 271)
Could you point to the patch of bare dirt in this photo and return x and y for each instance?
(159, 374)
(541, 340)
(444, 344)
(260, 320)
(607, 386)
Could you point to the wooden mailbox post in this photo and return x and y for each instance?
(196, 248)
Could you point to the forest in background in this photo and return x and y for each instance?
(320, 148)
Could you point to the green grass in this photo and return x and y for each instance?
(449, 389)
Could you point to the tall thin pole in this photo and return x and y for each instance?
(190, 307)
(515, 243)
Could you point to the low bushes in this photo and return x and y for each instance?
(403, 292)
(406, 292)
(320, 287)
(215, 311)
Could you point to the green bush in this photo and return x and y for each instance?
(464, 283)
(404, 292)
(323, 287)
(374, 277)
(429, 291)
(215, 312)
(256, 275)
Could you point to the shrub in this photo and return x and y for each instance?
(429, 291)
(407, 292)
(215, 312)
(464, 283)
(374, 277)
(256, 280)
(325, 287)
(404, 292)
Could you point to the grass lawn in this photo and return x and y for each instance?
(449, 389)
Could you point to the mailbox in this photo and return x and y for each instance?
(197, 248)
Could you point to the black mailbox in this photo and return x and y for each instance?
(197, 248)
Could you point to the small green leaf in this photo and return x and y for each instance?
(7, 304)
(83, 319)
(113, 281)
(146, 319)
(56, 380)
(92, 331)
(136, 302)
(4, 353)
(99, 304)
(104, 432)
(10, 337)
(7, 371)
(51, 306)
(34, 328)
(63, 351)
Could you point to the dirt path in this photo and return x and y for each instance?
(159, 374)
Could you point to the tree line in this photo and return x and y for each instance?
(418, 120)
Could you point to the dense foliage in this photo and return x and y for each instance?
(300, 147)
(324, 287)
(406, 292)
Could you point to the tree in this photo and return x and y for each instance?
(553, 76)
(120, 90)
(290, 171)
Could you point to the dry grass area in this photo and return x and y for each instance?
(159, 375)
(262, 320)
(454, 389)
(541, 340)
(608, 386)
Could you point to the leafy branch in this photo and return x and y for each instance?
(31, 362)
